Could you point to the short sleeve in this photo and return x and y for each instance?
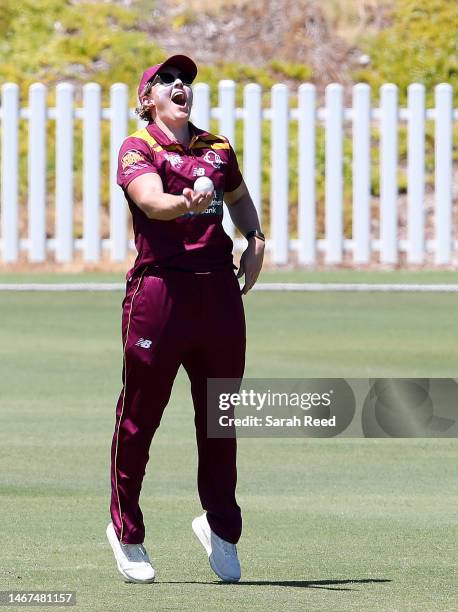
(135, 158)
(233, 174)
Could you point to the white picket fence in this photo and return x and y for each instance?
(63, 246)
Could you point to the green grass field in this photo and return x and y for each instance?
(340, 524)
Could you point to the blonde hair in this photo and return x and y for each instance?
(142, 112)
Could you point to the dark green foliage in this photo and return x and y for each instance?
(420, 46)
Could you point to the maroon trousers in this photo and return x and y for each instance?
(172, 318)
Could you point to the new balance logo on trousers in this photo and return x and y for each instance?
(144, 343)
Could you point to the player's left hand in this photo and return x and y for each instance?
(251, 263)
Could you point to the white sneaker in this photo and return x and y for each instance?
(132, 559)
(221, 554)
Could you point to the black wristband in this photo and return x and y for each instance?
(256, 234)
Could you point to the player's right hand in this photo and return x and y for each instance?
(197, 201)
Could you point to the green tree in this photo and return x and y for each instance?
(421, 46)
(58, 40)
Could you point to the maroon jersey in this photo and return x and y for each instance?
(191, 242)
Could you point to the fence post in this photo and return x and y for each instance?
(361, 172)
(9, 183)
(279, 175)
(37, 172)
(226, 95)
(443, 172)
(306, 161)
(388, 173)
(252, 144)
(416, 173)
(200, 115)
(334, 173)
(91, 172)
(118, 207)
(64, 172)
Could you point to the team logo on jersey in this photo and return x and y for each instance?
(130, 158)
(213, 158)
(174, 159)
(132, 161)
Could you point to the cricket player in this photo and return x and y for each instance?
(183, 306)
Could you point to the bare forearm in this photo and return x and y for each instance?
(244, 215)
(162, 206)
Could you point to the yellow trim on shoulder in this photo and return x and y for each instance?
(143, 134)
(213, 141)
(207, 145)
(210, 137)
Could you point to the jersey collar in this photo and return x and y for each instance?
(162, 138)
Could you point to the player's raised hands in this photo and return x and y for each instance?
(197, 201)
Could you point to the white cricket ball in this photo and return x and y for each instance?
(203, 183)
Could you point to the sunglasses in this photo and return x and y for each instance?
(167, 78)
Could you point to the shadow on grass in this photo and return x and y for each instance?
(330, 585)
